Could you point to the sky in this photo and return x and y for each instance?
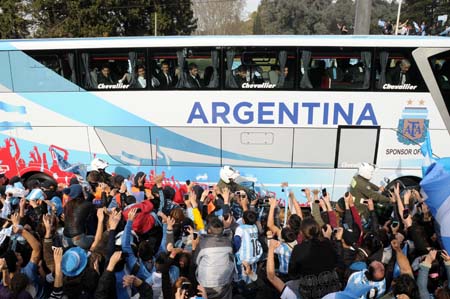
(252, 5)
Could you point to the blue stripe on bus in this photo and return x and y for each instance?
(100, 113)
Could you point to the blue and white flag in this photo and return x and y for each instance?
(436, 190)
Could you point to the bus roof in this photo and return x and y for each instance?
(236, 40)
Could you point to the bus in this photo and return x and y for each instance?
(302, 109)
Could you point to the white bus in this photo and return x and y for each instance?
(303, 109)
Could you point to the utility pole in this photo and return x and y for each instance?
(362, 17)
(398, 16)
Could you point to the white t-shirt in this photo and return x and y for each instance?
(288, 293)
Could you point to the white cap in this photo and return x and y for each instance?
(227, 173)
(98, 163)
(366, 170)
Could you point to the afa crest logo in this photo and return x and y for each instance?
(413, 126)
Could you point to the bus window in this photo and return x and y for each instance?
(50, 70)
(441, 69)
(259, 68)
(336, 69)
(199, 69)
(113, 70)
(397, 71)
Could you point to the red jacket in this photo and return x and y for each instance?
(143, 221)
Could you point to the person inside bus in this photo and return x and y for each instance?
(141, 80)
(207, 75)
(193, 77)
(400, 75)
(241, 75)
(165, 79)
(105, 76)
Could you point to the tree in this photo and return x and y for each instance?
(382, 10)
(80, 18)
(294, 16)
(219, 17)
(13, 21)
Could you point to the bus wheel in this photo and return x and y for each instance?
(42, 177)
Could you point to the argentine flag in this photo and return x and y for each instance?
(436, 190)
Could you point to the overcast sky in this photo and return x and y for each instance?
(252, 5)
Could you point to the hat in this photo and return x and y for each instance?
(58, 205)
(350, 236)
(35, 194)
(73, 191)
(73, 181)
(74, 261)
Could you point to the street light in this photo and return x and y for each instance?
(398, 16)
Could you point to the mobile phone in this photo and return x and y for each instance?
(185, 285)
(324, 192)
(363, 201)
(303, 190)
(346, 194)
(237, 193)
(210, 187)
(195, 236)
(186, 197)
(317, 201)
(395, 223)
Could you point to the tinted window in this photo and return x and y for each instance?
(397, 71)
(256, 68)
(336, 69)
(441, 69)
(43, 70)
(113, 70)
(187, 68)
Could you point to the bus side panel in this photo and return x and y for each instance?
(5, 72)
(9, 152)
(54, 151)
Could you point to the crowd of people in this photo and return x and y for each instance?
(116, 237)
(438, 28)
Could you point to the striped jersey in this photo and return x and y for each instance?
(284, 252)
(250, 250)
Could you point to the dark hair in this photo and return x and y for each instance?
(19, 283)
(105, 66)
(405, 284)
(310, 228)
(215, 226)
(250, 217)
(137, 177)
(295, 222)
(118, 180)
(288, 234)
(93, 176)
(130, 199)
(192, 66)
(145, 250)
(242, 68)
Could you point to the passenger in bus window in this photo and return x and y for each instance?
(241, 75)
(193, 77)
(141, 80)
(105, 76)
(165, 79)
(400, 75)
